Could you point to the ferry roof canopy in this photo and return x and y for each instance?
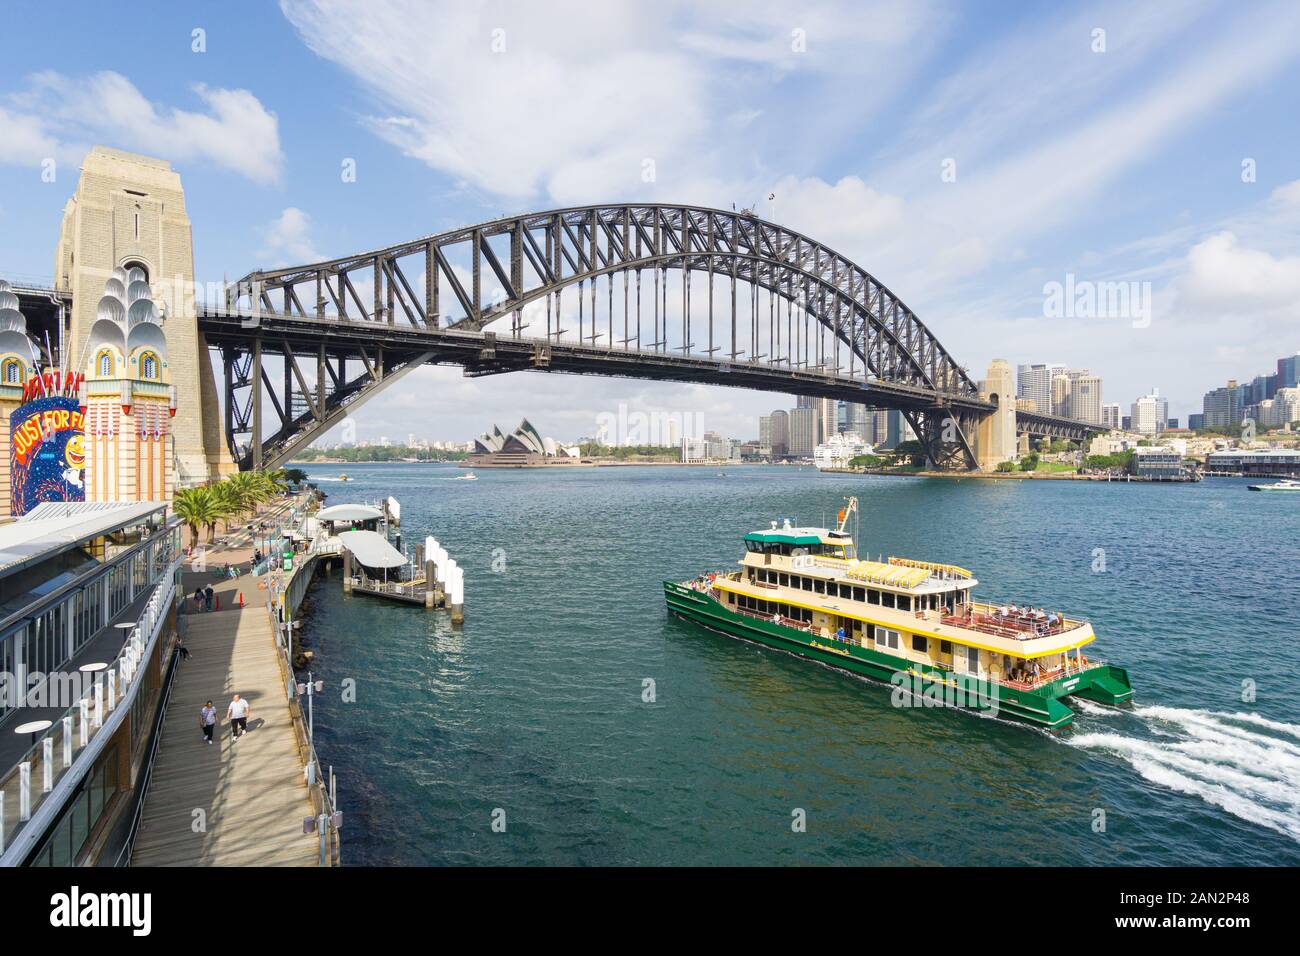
(799, 536)
(372, 549)
(349, 513)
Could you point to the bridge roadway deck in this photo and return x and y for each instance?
(251, 791)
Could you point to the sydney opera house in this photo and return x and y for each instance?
(522, 448)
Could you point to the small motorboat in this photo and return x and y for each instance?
(1286, 484)
(469, 476)
(344, 478)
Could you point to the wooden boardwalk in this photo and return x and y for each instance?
(252, 792)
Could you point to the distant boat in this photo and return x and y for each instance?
(468, 476)
(1286, 484)
(344, 478)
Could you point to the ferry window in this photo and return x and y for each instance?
(859, 594)
(784, 580)
(871, 631)
(846, 592)
(819, 586)
(904, 602)
(805, 615)
(873, 596)
(888, 598)
(806, 583)
(945, 647)
(887, 638)
(919, 643)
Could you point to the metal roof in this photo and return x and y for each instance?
(372, 549)
(349, 513)
(55, 526)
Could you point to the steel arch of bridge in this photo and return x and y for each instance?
(870, 347)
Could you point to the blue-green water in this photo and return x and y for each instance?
(535, 706)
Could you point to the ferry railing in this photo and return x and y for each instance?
(27, 790)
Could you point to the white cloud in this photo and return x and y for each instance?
(62, 116)
(570, 99)
(287, 240)
(1225, 279)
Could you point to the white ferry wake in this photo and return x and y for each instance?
(1239, 762)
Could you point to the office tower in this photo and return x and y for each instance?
(1149, 413)
(1223, 406)
(1288, 371)
(780, 433)
(1034, 382)
(1110, 415)
(803, 431)
(1085, 396)
(857, 419)
(1061, 395)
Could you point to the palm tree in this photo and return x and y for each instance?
(192, 505)
(245, 491)
(226, 504)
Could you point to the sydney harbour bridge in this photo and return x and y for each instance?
(646, 291)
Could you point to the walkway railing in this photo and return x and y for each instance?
(320, 783)
(34, 790)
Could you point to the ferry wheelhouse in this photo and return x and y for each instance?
(915, 624)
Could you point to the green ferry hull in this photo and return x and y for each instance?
(1042, 706)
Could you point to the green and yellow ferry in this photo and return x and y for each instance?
(914, 624)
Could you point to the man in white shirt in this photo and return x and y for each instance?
(238, 713)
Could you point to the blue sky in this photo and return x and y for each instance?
(1115, 164)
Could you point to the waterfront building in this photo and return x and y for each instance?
(838, 450)
(765, 430)
(1110, 415)
(1157, 462)
(1034, 383)
(522, 448)
(1255, 462)
(82, 692)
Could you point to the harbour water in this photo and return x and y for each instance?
(540, 713)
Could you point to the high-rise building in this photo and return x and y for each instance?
(765, 431)
(780, 437)
(857, 419)
(1034, 382)
(1085, 396)
(1149, 413)
(1195, 421)
(1288, 371)
(1223, 407)
(1110, 415)
(803, 431)
(1061, 395)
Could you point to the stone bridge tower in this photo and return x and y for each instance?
(129, 213)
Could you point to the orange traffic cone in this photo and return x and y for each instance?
(241, 598)
(218, 602)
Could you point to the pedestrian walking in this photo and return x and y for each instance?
(238, 713)
(181, 649)
(208, 720)
(198, 599)
(208, 596)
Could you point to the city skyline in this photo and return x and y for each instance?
(338, 148)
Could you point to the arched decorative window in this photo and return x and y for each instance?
(104, 364)
(13, 372)
(149, 366)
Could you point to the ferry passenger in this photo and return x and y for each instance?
(839, 636)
